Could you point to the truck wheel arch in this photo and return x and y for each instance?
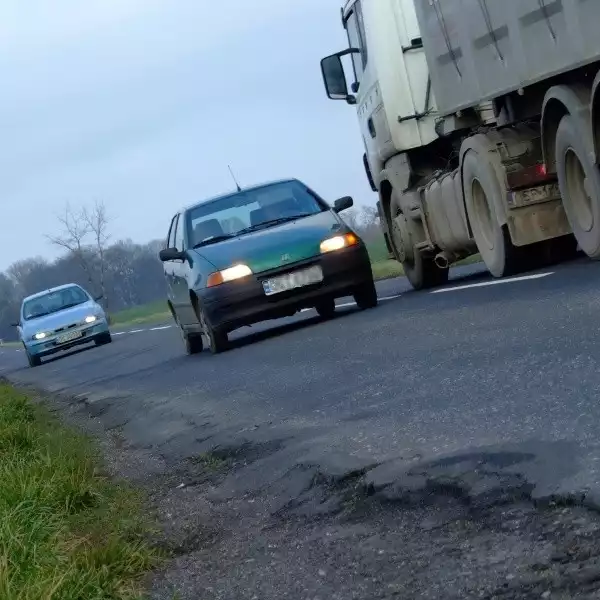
(395, 175)
(595, 115)
(385, 197)
(559, 101)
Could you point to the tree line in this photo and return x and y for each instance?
(124, 273)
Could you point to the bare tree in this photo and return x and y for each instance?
(73, 237)
(352, 218)
(85, 236)
(363, 219)
(96, 220)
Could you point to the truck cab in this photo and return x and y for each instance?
(386, 78)
(481, 129)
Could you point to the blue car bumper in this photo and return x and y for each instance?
(52, 345)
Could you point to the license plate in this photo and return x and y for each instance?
(536, 195)
(68, 337)
(293, 280)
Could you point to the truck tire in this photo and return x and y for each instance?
(579, 182)
(420, 270)
(482, 192)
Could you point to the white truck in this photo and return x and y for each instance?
(481, 126)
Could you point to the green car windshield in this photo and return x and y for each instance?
(250, 210)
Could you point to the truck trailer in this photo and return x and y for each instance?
(481, 126)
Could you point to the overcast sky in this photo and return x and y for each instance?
(143, 103)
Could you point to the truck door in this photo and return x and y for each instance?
(355, 29)
(373, 120)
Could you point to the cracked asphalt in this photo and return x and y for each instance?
(443, 445)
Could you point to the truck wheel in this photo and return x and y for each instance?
(421, 271)
(483, 192)
(579, 182)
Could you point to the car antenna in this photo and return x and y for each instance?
(237, 185)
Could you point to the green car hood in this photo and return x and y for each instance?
(275, 246)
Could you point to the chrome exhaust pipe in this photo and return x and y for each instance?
(441, 261)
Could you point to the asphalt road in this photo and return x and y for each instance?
(483, 393)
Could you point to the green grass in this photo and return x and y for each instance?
(209, 461)
(378, 251)
(66, 531)
(146, 313)
(387, 269)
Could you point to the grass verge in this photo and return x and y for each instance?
(146, 313)
(66, 531)
(386, 269)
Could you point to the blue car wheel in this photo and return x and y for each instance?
(32, 359)
(103, 338)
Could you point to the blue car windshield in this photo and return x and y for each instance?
(249, 210)
(52, 302)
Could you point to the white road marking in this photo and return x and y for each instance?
(380, 300)
(347, 304)
(160, 328)
(493, 282)
(135, 331)
(120, 333)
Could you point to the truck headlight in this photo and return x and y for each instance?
(338, 242)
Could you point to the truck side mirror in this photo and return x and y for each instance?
(334, 77)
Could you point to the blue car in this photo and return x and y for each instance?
(59, 319)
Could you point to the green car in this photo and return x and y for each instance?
(261, 253)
